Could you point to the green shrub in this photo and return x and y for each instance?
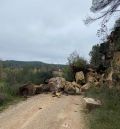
(41, 77)
(76, 62)
(68, 74)
(8, 94)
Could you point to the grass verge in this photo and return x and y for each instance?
(8, 95)
(10, 101)
(108, 116)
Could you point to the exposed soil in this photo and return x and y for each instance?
(45, 112)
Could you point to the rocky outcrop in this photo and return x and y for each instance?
(44, 88)
(91, 77)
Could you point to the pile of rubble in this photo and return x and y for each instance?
(55, 85)
(59, 85)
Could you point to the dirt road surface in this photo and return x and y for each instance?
(45, 112)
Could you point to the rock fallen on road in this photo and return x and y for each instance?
(86, 87)
(57, 94)
(80, 77)
(92, 103)
(56, 84)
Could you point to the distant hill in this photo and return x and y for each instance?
(30, 64)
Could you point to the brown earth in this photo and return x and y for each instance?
(45, 112)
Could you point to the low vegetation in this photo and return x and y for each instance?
(75, 64)
(13, 74)
(8, 95)
(108, 116)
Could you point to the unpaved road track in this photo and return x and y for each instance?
(45, 112)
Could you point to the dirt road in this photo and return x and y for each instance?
(45, 112)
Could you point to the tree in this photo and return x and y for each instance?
(117, 23)
(110, 6)
(68, 74)
(105, 8)
(95, 56)
(76, 62)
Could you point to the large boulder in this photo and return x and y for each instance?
(43, 88)
(80, 78)
(91, 76)
(69, 88)
(86, 87)
(72, 88)
(77, 91)
(108, 77)
(92, 103)
(76, 85)
(27, 89)
(56, 84)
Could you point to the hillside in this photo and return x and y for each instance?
(32, 64)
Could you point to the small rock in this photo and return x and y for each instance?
(92, 103)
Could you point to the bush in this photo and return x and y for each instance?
(8, 94)
(41, 77)
(8, 90)
(68, 74)
(76, 62)
(96, 56)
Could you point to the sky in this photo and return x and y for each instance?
(45, 30)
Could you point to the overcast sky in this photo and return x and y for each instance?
(45, 30)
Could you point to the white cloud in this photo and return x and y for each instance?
(45, 30)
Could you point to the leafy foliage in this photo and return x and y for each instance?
(18, 72)
(76, 62)
(110, 7)
(68, 74)
(105, 9)
(95, 56)
(13, 74)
